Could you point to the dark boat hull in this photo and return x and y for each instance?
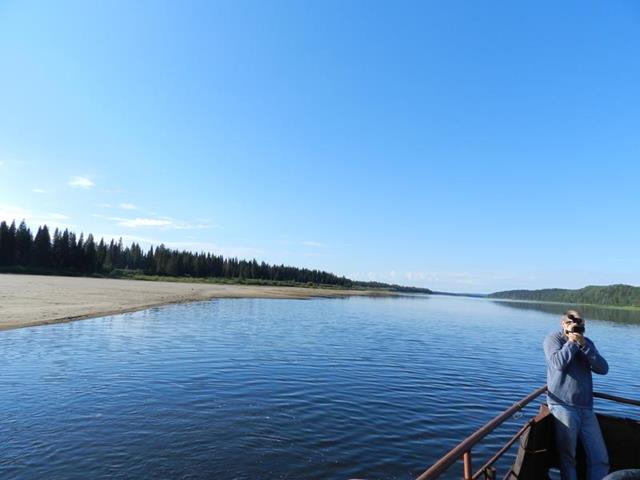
(537, 452)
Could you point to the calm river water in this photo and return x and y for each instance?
(280, 389)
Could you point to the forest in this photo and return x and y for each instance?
(66, 253)
(616, 295)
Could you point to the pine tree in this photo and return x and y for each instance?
(151, 262)
(64, 249)
(101, 255)
(9, 242)
(172, 266)
(42, 248)
(56, 253)
(78, 254)
(5, 244)
(119, 260)
(108, 265)
(90, 263)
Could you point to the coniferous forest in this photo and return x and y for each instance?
(64, 252)
(618, 295)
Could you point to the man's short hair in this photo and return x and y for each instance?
(566, 317)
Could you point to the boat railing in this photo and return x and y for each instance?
(464, 449)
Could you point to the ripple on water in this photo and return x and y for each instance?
(232, 389)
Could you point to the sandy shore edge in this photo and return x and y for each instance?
(33, 300)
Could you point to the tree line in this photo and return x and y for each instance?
(66, 252)
(618, 295)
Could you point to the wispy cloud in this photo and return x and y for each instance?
(144, 222)
(193, 225)
(128, 206)
(244, 252)
(466, 281)
(240, 251)
(127, 239)
(310, 243)
(12, 212)
(58, 216)
(81, 182)
(165, 223)
(38, 190)
(34, 219)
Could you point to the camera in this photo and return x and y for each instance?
(575, 328)
(576, 325)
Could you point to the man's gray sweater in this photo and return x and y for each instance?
(569, 370)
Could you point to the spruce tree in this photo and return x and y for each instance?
(4, 243)
(57, 259)
(101, 255)
(10, 245)
(64, 249)
(90, 263)
(42, 248)
(78, 254)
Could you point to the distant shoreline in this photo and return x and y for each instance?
(34, 300)
(550, 302)
(489, 296)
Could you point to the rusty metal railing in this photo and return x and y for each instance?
(463, 450)
(606, 396)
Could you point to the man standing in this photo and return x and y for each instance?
(571, 357)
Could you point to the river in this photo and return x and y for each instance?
(375, 388)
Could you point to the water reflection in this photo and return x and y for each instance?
(590, 312)
(280, 389)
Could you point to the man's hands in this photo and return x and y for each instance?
(573, 337)
(578, 338)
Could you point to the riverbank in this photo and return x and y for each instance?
(30, 300)
(579, 305)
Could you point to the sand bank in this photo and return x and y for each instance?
(28, 300)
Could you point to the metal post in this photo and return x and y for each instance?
(454, 455)
(468, 471)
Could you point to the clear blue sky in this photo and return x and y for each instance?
(462, 146)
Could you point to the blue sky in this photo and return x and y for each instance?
(461, 146)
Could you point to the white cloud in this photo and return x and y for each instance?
(81, 182)
(128, 206)
(127, 239)
(163, 223)
(57, 216)
(145, 222)
(242, 252)
(452, 281)
(38, 190)
(310, 243)
(9, 213)
(452, 277)
(193, 226)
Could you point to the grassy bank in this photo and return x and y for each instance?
(131, 275)
(139, 275)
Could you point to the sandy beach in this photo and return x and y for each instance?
(29, 300)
